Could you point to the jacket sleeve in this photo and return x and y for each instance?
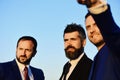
(109, 29)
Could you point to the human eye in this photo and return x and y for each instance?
(29, 50)
(73, 39)
(87, 27)
(20, 48)
(65, 40)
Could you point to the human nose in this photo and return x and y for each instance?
(23, 52)
(91, 30)
(68, 42)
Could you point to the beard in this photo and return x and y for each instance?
(23, 61)
(99, 43)
(74, 55)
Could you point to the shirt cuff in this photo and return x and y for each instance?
(99, 8)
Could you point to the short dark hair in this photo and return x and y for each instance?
(75, 27)
(88, 14)
(29, 38)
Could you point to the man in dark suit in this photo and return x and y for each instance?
(74, 42)
(14, 70)
(106, 65)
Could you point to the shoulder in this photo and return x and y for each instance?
(87, 59)
(38, 70)
(5, 67)
(6, 64)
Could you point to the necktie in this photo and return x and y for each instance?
(67, 67)
(26, 77)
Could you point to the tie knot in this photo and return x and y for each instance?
(69, 65)
(67, 68)
(25, 68)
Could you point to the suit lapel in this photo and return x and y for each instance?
(34, 73)
(63, 71)
(16, 71)
(77, 72)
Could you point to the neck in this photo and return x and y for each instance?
(100, 46)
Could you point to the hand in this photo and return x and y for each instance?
(89, 3)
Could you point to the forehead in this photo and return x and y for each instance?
(25, 42)
(89, 20)
(71, 34)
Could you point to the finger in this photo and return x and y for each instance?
(81, 1)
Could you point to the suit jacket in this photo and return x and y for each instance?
(10, 71)
(82, 69)
(106, 65)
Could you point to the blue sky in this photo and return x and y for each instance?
(45, 21)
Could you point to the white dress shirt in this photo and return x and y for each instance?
(21, 68)
(73, 65)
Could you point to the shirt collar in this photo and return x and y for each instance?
(21, 66)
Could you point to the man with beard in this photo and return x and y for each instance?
(14, 70)
(79, 64)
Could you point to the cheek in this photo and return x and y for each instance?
(29, 55)
(101, 37)
(88, 34)
(65, 45)
(77, 45)
(17, 53)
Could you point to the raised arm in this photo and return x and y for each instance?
(102, 15)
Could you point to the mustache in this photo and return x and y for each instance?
(69, 47)
(23, 56)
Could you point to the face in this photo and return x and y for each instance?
(24, 51)
(93, 32)
(73, 45)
